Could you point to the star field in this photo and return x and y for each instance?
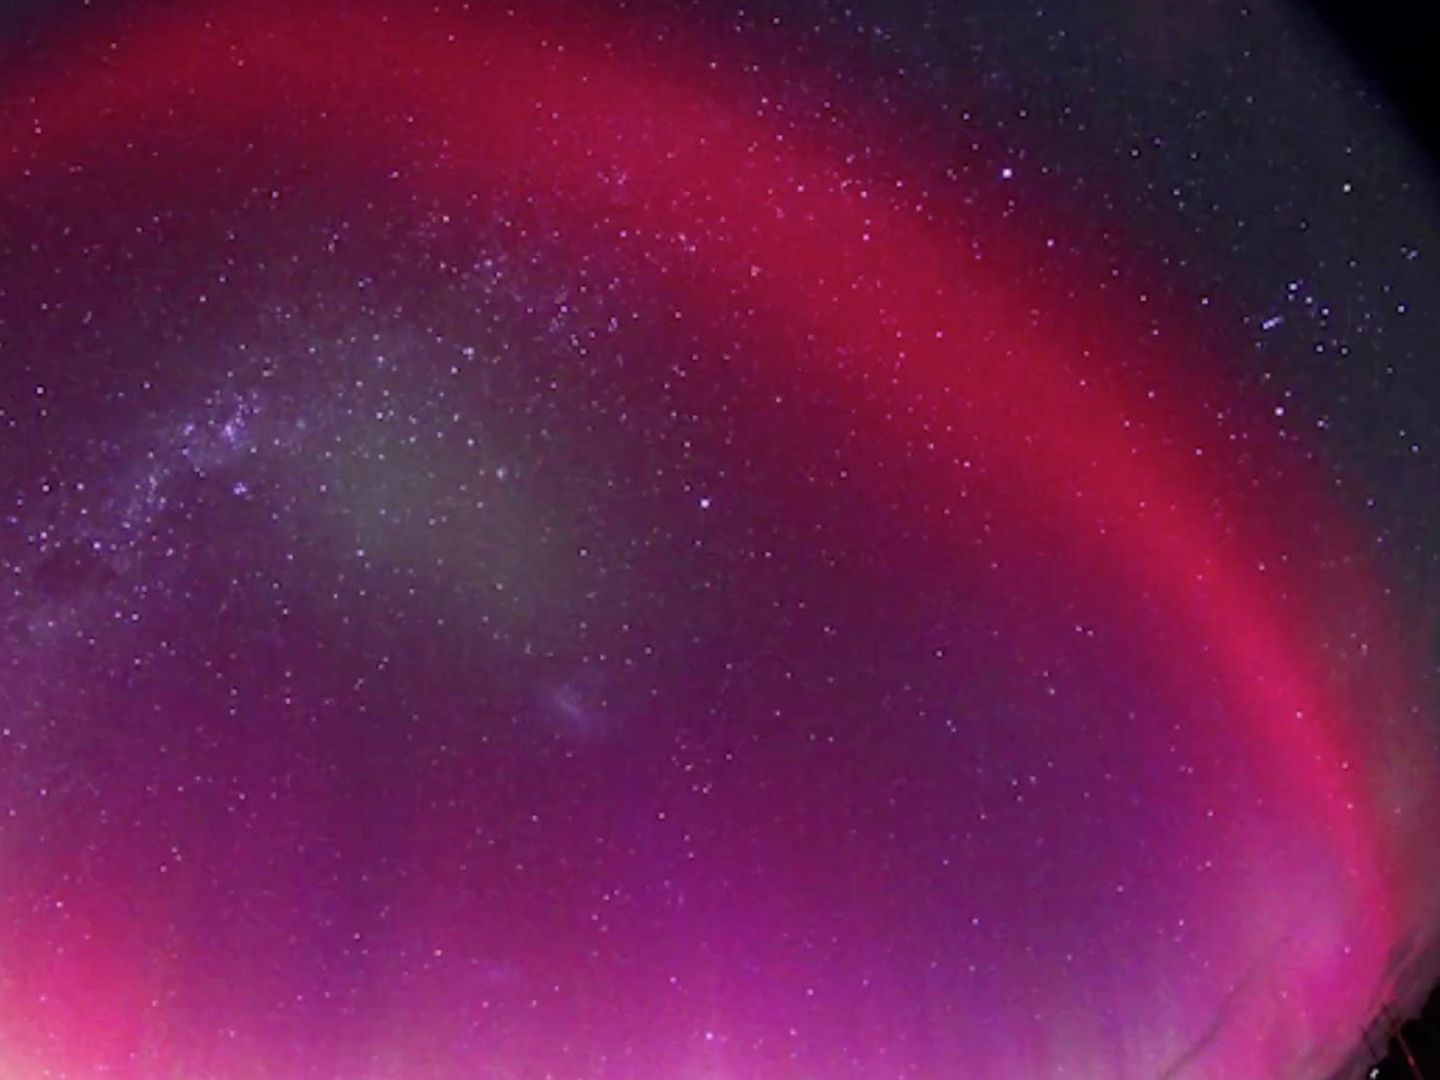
(679, 541)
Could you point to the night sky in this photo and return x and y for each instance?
(678, 541)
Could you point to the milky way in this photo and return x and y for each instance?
(574, 543)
